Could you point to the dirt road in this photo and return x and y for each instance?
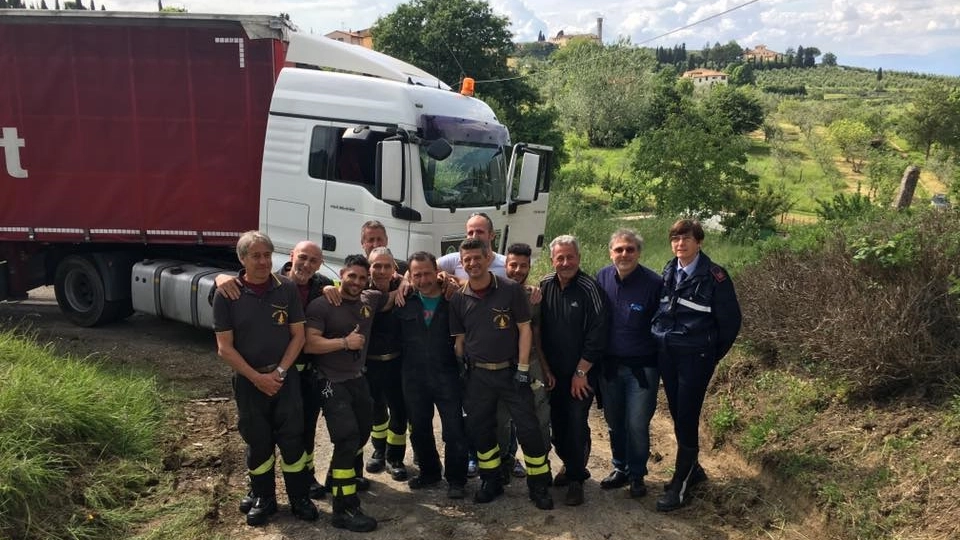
(734, 504)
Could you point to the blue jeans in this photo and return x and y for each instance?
(628, 408)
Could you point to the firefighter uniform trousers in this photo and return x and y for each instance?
(312, 405)
(348, 411)
(267, 422)
(485, 388)
(389, 434)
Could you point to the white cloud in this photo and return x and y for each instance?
(844, 27)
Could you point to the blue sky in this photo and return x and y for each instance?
(920, 35)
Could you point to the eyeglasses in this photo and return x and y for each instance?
(624, 249)
(681, 238)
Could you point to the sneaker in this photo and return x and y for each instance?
(489, 490)
(637, 488)
(317, 491)
(376, 463)
(541, 497)
(304, 509)
(362, 484)
(353, 520)
(472, 469)
(615, 480)
(262, 508)
(518, 470)
(246, 503)
(455, 491)
(574, 495)
(422, 481)
(398, 471)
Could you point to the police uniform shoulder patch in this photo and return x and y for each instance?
(719, 274)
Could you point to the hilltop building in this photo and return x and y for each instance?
(562, 39)
(362, 38)
(705, 77)
(761, 53)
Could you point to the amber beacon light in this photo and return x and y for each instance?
(467, 87)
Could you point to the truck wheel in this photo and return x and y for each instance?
(80, 293)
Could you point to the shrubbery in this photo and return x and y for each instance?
(874, 304)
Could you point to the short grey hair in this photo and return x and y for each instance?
(377, 251)
(629, 235)
(250, 238)
(565, 240)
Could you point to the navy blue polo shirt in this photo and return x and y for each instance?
(631, 304)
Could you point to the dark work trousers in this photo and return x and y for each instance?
(265, 423)
(685, 376)
(423, 389)
(310, 389)
(348, 411)
(571, 433)
(485, 389)
(389, 434)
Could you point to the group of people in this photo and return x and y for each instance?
(503, 362)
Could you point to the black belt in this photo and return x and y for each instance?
(491, 366)
(267, 369)
(383, 357)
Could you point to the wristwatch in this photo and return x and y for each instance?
(580, 373)
(282, 373)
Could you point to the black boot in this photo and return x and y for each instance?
(246, 503)
(490, 488)
(678, 493)
(262, 508)
(348, 515)
(698, 476)
(378, 460)
(303, 508)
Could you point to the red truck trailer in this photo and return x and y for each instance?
(135, 148)
(120, 134)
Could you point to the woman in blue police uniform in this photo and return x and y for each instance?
(695, 325)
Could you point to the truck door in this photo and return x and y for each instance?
(528, 195)
(351, 199)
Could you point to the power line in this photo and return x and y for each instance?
(589, 60)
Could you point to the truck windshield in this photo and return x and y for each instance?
(475, 173)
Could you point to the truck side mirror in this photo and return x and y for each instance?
(439, 149)
(390, 171)
(529, 173)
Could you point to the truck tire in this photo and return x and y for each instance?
(81, 295)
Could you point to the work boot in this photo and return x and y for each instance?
(246, 503)
(541, 497)
(490, 489)
(376, 463)
(637, 488)
(353, 520)
(261, 509)
(317, 490)
(574, 495)
(398, 471)
(615, 480)
(422, 481)
(456, 491)
(303, 508)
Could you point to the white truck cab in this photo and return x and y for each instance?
(379, 139)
